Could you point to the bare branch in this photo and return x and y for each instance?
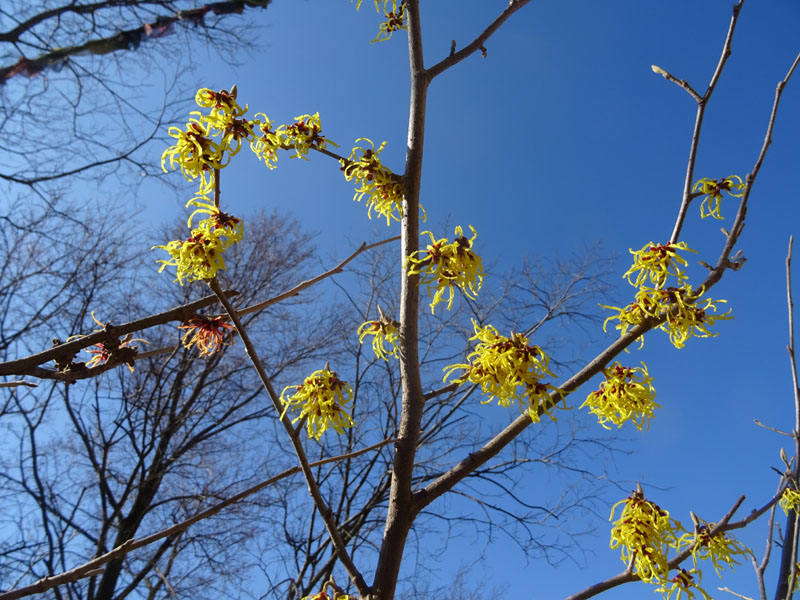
(476, 44)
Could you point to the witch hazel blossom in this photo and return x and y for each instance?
(382, 188)
(323, 400)
(445, 265)
(712, 189)
(510, 369)
(626, 394)
(654, 263)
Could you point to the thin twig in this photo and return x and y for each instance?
(308, 283)
(65, 351)
(313, 488)
(702, 102)
(4, 384)
(476, 44)
(760, 424)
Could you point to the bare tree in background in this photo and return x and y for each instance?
(75, 78)
(88, 467)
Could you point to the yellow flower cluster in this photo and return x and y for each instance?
(324, 596)
(656, 262)
(383, 188)
(720, 549)
(384, 331)
(323, 400)
(444, 265)
(200, 256)
(205, 147)
(303, 134)
(509, 369)
(395, 18)
(627, 394)
(789, 500)
(683, 584)
(712, 189)
(644, 532)
(676, 306)
(195, 153)
(684, 314)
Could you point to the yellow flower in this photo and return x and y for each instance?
(683, 316)
(323, 596)
(395, 21)
(655, 262)
(195, 153)
(395, 18)
(226, 118)
(713, 193)
(683, 584)
(383, 188)
(304, 134)
(323, 400)
(509, 369)
(634, 314)
(207, 333)
(267, 143)
(790, 499)
(644, 532)
(720, 549)
(200, 256)
(444, 265)
(219, 224)
(627, 394)
(384, 331)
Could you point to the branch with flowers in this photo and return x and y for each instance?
(509, 368)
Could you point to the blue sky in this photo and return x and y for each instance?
(563, 136)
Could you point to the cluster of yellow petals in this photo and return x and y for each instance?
(323, 595)
(644, 532)
(509, 369)
(683, 584)
(383, 188)
(684, 313)
(720, 549)
(789, 500)
(384, 331)
(395, 18)
(200, 256)
(207, 333)
(627, 394)
(445, 265)
(655, 262)
(712, 189)
(195, 153)
(323, 400)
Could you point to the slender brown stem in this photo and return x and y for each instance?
(313, 488)
(399, 514)
(65, 351)
(308, 283)
(477, 43)
(702, 102)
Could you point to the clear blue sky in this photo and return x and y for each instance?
(561, 137)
